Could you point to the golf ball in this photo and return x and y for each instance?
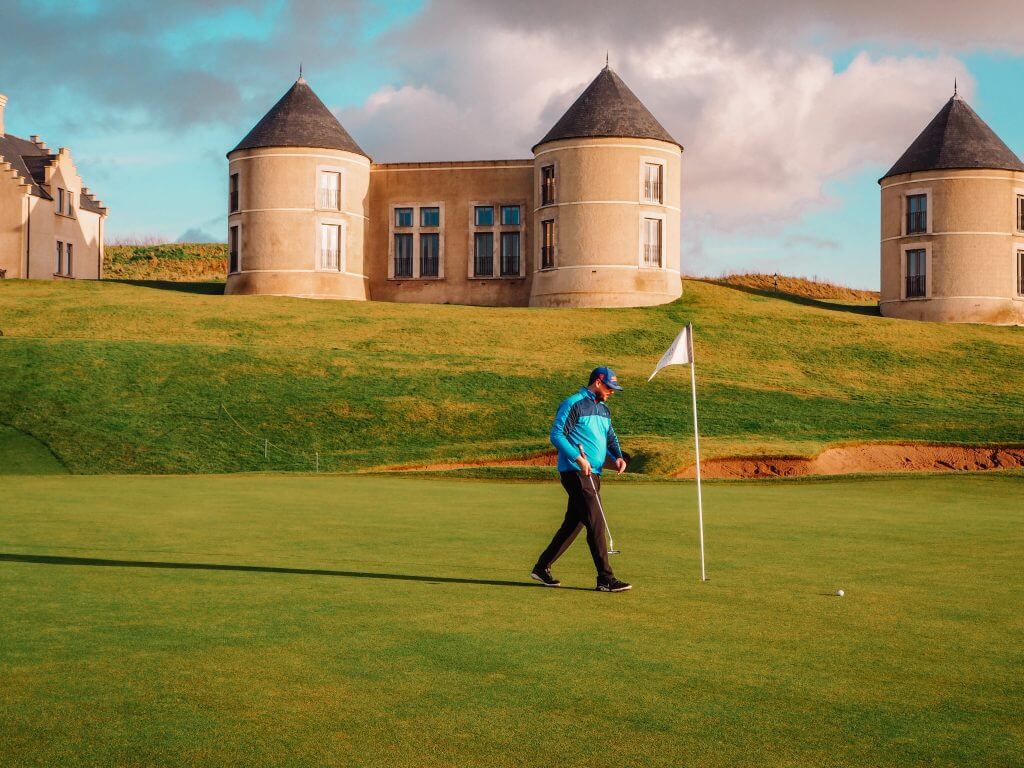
(840, 593)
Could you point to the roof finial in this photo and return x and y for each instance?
(954, 88)
(301, 78)
(606, 66)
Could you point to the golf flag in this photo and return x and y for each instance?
(680, 353)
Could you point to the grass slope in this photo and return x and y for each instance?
(168, 261)
(394, 632)
(168, 378)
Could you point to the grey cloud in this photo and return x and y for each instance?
(197, 235)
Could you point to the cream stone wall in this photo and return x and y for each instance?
(81, 228)
(598, 212)
(971, 243)
(280, 216)
(13, 212)
(456, 188)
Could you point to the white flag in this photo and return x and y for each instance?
(680, 353)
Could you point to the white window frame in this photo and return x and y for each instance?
(642, 225)
(644, 162)
(237, 226)
(342, 226)
(927, 248)
(416, 230)
(539, 265)
(317, 204)
(496, 229)
(929, 211)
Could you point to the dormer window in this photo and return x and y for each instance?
(917, 214)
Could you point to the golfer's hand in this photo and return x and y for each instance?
(620, 465)
(584, 464)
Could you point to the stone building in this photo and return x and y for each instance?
(952, 245)
(591, 219)
(51, 226)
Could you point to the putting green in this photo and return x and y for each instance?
(382, 622)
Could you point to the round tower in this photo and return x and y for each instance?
(606, 219)
(952, 240)
(298, 196)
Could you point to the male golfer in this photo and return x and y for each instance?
(583, 434)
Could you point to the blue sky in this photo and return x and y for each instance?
(784, 146)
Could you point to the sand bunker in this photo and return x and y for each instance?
(863, 458)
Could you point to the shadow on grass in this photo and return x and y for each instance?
(93, 561)
(806, 301)
(208, 287)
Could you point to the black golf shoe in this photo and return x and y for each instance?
(543, 575)
(612, 585)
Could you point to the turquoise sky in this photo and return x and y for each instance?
(149, 99)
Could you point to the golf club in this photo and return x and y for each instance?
(593, 486)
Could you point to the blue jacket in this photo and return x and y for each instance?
(581, 420)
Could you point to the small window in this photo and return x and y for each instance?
(547, 244)
(69, 259)
(510, 254)
(59, 267)
(547, 185)
(1020, 213)
(430, 252)
(330, 247)
(403, 251)
(330, 190)
(652, 243)
(70, 203)
(1020, 273)
(60, 200)
(510, 215)
(917, 214)
(233, 194)
(430, 217)
(652, 182)
(916, 277)
(233, 260)
(403, 217)
(483, 254)
(484, 216)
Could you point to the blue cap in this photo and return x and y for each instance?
(606, 376)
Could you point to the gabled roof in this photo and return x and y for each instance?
(300, 119)
(956, 138)
(29, 161)
(607, 108)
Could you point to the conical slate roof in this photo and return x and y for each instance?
(956, 138)
(608, 108)
(300, 119)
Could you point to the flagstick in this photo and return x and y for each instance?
(696, 443)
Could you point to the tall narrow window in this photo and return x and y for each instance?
(916, 275)
(233, 194)
(69, 259)
(403, 253)
(430, 217)
(547, 185)
(1020, 213)
(60, 200)
(483, 254)
(403, 217)
(510, 215)
(547, 244)
(917, 214)
(509, 254)
(234, 264)
(330, 190)
(330, 247)
(652, 243)
(652, 182)
(430, 252)
(70, 203)
(1020, 273)
(59, 266)
(483, 216)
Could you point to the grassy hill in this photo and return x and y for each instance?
(163, 377)
(167, 261)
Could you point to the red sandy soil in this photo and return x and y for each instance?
(863, 458)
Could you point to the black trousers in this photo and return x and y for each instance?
(582, 512)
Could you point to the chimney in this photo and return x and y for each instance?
(3, 103)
